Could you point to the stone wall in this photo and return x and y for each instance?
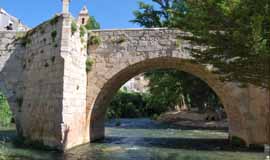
(43, 75)
(11, 59)
(124, 54)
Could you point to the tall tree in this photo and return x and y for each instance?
(92, 24)
(237, 33)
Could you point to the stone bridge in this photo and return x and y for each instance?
(58, 104)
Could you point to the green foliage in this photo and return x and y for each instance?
(92, 24)
(89, 63)
(25, 41)
(239, 43)
(94, 40)
(134, 105)
(178, 43)
(236, 31)
(172, 87)
(53, 35)
(20, 35)
(82, 31)
(5, 112)
(159, 15)
(54, 20)
(24, 38)
(73, 27)
(236, 141)
(126, 105)
(119, 40)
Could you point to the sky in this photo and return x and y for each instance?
(111, 14)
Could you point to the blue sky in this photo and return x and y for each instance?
(110, 13)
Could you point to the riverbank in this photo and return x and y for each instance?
(192, 120)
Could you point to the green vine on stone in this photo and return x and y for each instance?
(54, 20)
(53, 35)
(20, 35)
(26, 41)
(89, 63)
(120, 40)
(73, 27)
(94, 40)
(178, 41)
(82, 31)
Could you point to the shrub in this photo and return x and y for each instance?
(25, 41)
(134, 105)
(82, 31)
(53, 35)
(54, 20)
(92, 24)
(89, 63)
(5, 112)
(94, 40)
(73, 27)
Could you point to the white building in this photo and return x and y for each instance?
(137, 84)
(9, 22)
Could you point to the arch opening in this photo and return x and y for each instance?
(105, 95)
(159, 91)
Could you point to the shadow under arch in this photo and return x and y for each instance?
(106, 93)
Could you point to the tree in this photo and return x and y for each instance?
(170, 88)
(235, 32)
(92, 24)
(160, 16)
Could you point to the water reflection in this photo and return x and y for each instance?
(142, 139)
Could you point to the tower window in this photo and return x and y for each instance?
(83, 20)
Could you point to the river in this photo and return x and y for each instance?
(140, 139)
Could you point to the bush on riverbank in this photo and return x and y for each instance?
(126, 105)
(5, 112)
(134, 105)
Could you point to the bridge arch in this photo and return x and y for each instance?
(105, 90)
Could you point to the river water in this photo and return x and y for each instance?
(140, 139)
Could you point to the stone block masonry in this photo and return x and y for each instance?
(43, 76)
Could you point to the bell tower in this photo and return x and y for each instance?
(83, 16)
(65, 6)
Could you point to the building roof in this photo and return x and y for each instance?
(84, 11)
(6, 19)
